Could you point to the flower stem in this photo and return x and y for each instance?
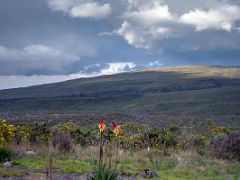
(101, 151)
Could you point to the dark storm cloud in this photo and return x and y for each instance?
(76, 38)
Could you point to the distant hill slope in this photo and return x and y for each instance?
(165, 79)
(162, 95)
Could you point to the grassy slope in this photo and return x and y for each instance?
(153, 80)
(180, 94)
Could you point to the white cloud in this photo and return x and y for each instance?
(154, 64)
(133, 35)
(81, 8)
(221, 18)
(117, 67)
(146, 23)
(151, 15)
(93, 10)
(142, 37)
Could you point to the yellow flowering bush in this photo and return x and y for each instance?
(200, 140)
(67, 127)
(200, 143)
(22, 133)
(215, 130)
(6, 133)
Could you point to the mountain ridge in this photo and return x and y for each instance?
(158, 96)
(232, 73)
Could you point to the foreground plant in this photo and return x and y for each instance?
(102, 127)
(116, 131)
(104, 173)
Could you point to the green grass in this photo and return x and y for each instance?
(190, 174)
(233, 168)
(73, 166)
(162, 162)
(10, 172)
(198, 167)
(212, 172)
(61, 165)
(130, 167)
(36, 163)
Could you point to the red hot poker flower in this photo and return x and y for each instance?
(101, 126)
(116, 129)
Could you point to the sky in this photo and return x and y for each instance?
(54, 40)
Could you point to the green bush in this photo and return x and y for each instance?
(83, 136)
(35, 133)
(5, 154)
(162, 139)
(200, 143)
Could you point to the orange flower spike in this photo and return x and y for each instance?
(116, 129)
(101, 126)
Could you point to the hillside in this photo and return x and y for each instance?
(184, 94)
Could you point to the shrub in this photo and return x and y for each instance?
(161, 139)
(6, 133)
(34, 133)
(83, 136)
(67, 127)
(22, 132)
(233, 145)
(200, 142)
(168, 139)
(217, 145)
(218, 129)
(132, 136)
(153, 137)
(5, 154)
(61, 141)
(226, 146)
(39, 133)
(132, 142)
